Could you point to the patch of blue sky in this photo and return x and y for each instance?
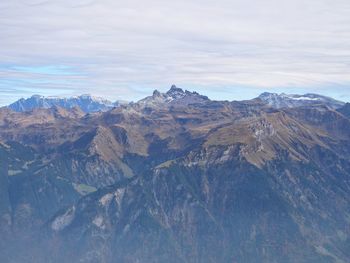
(33, 81)
(25, 90)
(60, 70)
(12, 89)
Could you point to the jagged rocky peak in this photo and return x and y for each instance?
(176, 92)
(284, 100)
(179, 93)
(156, 93)
(174, 96)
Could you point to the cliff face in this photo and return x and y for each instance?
(345, 110)
(177, 177)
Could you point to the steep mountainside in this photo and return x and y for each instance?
(345, 110)
(176, 177)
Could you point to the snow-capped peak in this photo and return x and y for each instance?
(86, 102)
(284, 100)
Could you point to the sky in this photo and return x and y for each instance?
(225, 49)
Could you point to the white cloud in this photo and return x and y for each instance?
(124, 49)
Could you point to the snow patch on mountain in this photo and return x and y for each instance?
(64, 220)
(85, 102)
(294, 100)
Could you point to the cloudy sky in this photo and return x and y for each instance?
(226, 49)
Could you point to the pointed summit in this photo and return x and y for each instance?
(174, 88)
(175, 92)
(156, 93)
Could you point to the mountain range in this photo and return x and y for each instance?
(177, 177)
(86, 103)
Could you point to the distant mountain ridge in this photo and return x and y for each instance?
(86, 103)
(294, 100)
(175, 95)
